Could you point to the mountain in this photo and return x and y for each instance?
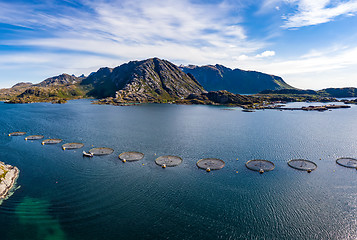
(55, 89)
(7, 93)
(218, 77)
(63, 79)
(151, 80)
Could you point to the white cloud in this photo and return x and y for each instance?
(314, 12)
(266, 54)
(242, 57)
(130, 29)
(332, 67)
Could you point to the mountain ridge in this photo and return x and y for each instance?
(218, 77)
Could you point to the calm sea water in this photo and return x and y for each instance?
(62, 195)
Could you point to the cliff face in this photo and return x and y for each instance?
(142, 81)
(217, 77)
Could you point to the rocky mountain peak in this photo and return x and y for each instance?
(143, 81)
(63, 79)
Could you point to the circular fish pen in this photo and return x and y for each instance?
(51, 141)
(302, 164)
(347, 162)
(168, 161)
(260, 165)
(210, 164)
(131, 156)
(17, 133)
(69, 146)
(101, 151)
(34, 137)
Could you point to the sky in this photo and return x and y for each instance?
(311, 44)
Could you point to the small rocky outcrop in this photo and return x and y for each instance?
(218, 98)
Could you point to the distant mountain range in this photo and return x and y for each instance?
(327, 92)
(157, 80)
(218, 77)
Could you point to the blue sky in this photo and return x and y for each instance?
(311, 44)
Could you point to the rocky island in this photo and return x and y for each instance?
(8, 176)
(156, 80)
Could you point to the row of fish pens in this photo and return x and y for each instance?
(208, 164)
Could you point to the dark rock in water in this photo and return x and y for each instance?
(218, 77)
(225, 97)
(218, 98)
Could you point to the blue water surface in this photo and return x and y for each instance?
(62, 195)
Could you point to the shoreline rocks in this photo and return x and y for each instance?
(8, 176)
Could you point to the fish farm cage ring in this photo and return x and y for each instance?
(101, 151)
(210, 164)
(69, 146)
(17, 133)
(168, 161)
(34, 137)
(131, 156)
(260, 165)
(347, 162)
(302, 164)
(51, 141)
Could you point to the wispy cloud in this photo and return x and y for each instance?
(51, 37)
(314, 12)
(178, 30)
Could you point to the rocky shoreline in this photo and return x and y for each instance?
(309, 108)
(8, 176)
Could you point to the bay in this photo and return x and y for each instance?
(62, 195)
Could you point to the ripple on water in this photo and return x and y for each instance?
(35, 222)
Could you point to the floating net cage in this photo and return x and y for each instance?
(34, 137)
(210, 164)
(101, 151)
(168, 161)
(69, 146)
(51, 141)
(131, 156)
(260, 165)
(17, 133)
(347, 162)
(302, 164)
